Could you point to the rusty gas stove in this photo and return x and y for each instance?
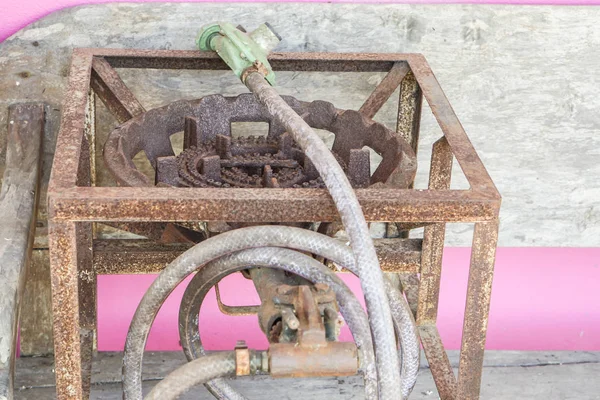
(221, 186)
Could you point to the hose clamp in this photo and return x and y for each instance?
(242, 359)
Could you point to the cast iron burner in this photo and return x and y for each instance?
(247, 162)
(212, 158)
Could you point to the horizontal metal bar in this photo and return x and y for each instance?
(129, 204)
(288, 61)
(113, 256)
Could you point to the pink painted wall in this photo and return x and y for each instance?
(542, 299)
(16, 14)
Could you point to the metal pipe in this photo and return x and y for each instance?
(340, 189)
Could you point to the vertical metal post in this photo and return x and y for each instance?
(408, 125)
(440, 174)
(85, 270)
(74, 295)
(87, 302)
(90, 134)
(479, 289)
(62, 241)
(433, 238)
(409, 110)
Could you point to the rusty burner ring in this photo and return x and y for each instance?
(207, 123)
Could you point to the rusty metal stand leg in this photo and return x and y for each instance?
(479, 290)
(407, 125)
(409, 285)
(85, 233)
(73, 295)
(74, 307)
(431, 273)
(87, 302)
(433, 237)
(62, 240)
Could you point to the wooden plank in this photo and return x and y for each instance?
(36, 305)
(18, 201)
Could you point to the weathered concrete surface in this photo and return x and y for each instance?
(507, 376)
(522, 80)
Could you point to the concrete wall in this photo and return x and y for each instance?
(16, 14)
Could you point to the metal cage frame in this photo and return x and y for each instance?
(75, 204)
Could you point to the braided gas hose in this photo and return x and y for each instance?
(386, 311)
(246, 238)
(201, 370)
(290, 261)
(355, 225)
(301, 265)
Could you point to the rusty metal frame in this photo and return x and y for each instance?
(74, 204)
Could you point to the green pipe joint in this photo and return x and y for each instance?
(242, 52)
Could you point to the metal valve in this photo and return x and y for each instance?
(242, 52)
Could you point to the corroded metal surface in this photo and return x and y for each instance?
(140, 256)
(335, 359)
(433, 238)
(409, 110)
(384, 90)
(258, 205)
(234, 310)
(62, 238)
(134, 256)
(439, 364)
(109, 87)
(145, 204)
(306, 346)
(479, 291)
(245, 162)
(207, 133)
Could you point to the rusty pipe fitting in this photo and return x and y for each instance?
(288, 360)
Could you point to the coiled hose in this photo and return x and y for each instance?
(364, 259)
(228, 243)
(355, 225)
(290, 261)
